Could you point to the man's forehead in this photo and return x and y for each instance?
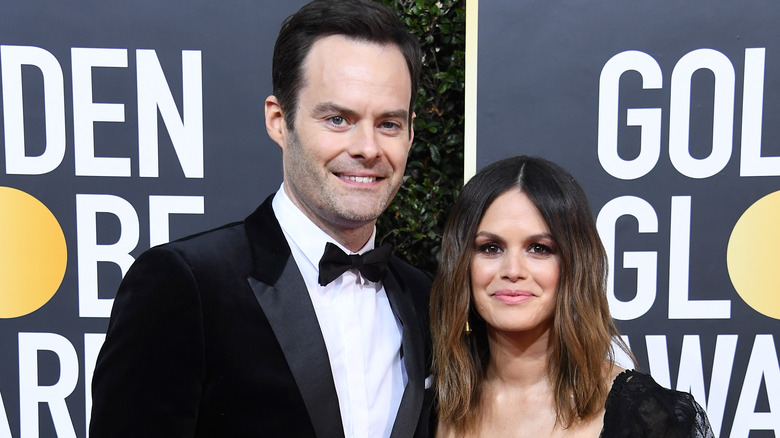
(335, 60)
(327, 42)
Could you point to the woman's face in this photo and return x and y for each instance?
(515, 268)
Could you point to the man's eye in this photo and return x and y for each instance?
(337, 120)
(390, 125)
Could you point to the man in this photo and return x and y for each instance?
(236, 331)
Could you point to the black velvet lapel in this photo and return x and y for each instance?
(281, 292)
(413, 356)
(269, 247)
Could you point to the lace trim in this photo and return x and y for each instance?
(637, 406)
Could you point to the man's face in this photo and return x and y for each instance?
(345, 158)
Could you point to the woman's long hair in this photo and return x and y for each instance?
(583, 330)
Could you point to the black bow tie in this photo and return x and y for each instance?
(371, 265)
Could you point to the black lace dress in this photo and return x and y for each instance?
(637, 406)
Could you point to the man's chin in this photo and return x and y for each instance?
(367, 210)
(360, 206)
(361, 216)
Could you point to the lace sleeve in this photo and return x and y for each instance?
(701, 426)
(639, 407)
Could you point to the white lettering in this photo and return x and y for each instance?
(16, 159)
(680, 307)
(86, 112)
(763, 362)
(31, 394)
(752, 163)
(5, 427)
(90, 252)
(92, 344)
(690, 377)
(160, 207)
(680, 111)
(186, 132)
(649, 119)
(658, 359)
(645, 262)
(622, 359)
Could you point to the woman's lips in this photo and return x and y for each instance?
(512, 296)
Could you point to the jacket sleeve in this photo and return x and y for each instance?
(149, 372)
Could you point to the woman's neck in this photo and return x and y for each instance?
(519, 359)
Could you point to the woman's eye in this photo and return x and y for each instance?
(538, 248)
(490, 248)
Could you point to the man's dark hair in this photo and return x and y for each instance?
(362, 20)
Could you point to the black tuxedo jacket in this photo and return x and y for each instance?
(215, 335)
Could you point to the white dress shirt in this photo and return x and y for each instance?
(362, 335)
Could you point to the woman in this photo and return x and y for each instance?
(522, 333)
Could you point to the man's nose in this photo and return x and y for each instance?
(365, 142)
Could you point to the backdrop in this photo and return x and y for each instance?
(667, 113)
(124, 124)
(129, 124)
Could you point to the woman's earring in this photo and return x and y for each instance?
(468, 328)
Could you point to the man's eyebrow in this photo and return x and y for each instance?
(398, 114)
(331, 107)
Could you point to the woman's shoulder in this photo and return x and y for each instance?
(638, 406)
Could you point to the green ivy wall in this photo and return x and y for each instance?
(414, 222)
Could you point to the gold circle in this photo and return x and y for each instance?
(753, 256)
(33, 253)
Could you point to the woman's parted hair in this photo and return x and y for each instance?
(361, 20)
(583, 329)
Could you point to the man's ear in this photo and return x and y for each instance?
(274, 121)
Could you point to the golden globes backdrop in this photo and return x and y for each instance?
(668, 113)
(127, 124)
(124, 125)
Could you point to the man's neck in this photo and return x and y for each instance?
(351, 238)
(352, 235)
